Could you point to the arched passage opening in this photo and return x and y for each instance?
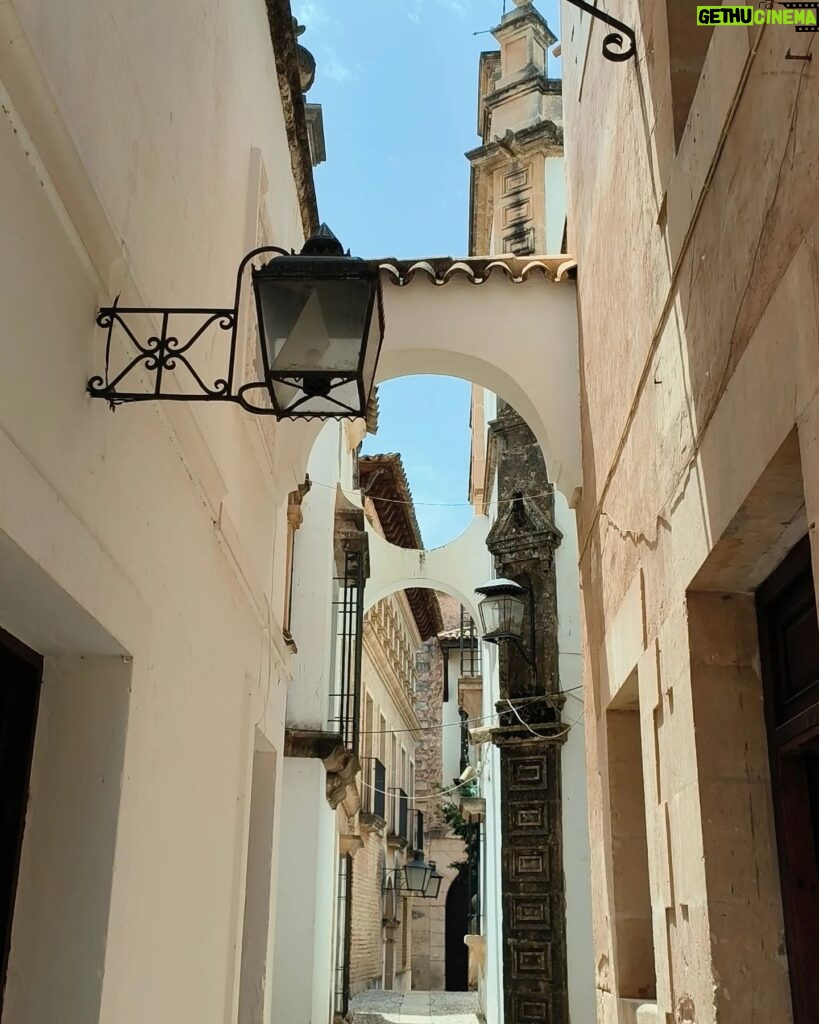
(509, 326)
(456, 929)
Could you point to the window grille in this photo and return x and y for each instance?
(473, 874)
(464, 716)
(349, 616)
(470, 647)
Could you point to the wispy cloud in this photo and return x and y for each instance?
(312, 13)
(415, 9)
(324, 30)
(334, 68)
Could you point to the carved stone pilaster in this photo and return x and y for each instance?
(530, 734)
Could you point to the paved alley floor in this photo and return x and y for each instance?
(376, 1007)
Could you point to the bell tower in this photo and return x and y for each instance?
(517, 196)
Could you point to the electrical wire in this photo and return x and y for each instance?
(458, 725)
(431, 796)
(545, 736)
(352, 492)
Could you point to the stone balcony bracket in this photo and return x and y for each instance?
(341, 763)
(396, 842)
(473, 808)
(370, 822)
(350, 843)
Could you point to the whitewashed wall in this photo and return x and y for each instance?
(152, 535)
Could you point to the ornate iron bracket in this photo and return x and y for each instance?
(614, 44)
(165, 352)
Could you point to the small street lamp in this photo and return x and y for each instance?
(415, 878)
(501, 608)
(417, 874)
(320, 321)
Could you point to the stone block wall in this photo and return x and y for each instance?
(429, 917)
(429, 696)
(429, 689)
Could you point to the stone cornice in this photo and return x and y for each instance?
(545, 136)
(520, 18)
(532, 79)
(285, 52)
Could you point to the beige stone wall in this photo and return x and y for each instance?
(697, 249)
(428, 707)
(429, 919)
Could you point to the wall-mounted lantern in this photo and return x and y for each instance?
(417, 874)
(415, 878)
(502, 608)
(320, 321)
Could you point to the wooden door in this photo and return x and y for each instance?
(789, 652)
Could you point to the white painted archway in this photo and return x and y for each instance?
(455, 568)
(511, 329)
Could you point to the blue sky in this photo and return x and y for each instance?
(397, 80)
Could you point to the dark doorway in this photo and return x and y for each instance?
(789, 653)
(457, 927)
(21, 671)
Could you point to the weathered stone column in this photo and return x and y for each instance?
(530, 735)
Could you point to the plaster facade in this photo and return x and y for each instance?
(142, 554)
(694, 225)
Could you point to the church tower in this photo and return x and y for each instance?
(517, 195)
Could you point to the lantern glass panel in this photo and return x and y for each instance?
(372, 348)
(417, 874)
(434, 883)
(313, 332)
(502, 615)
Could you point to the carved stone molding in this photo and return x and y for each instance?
(349, 843)
(530, 733)
(342, 764)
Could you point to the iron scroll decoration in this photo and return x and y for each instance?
(166, 350)
(614, 45)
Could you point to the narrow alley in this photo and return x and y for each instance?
(390, 637)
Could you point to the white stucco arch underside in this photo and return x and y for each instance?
(519, 340)
(455, 569)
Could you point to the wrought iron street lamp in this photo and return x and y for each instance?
(417, 874)
(320, 321)
(502, 608)
(415, 878)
